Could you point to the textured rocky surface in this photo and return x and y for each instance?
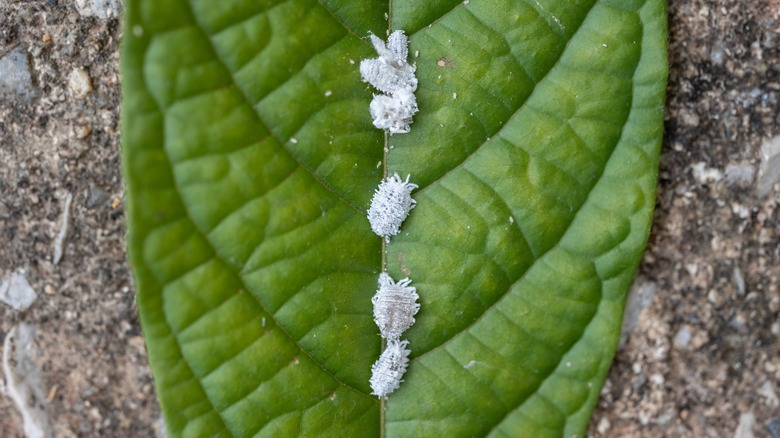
(63, 141)
(703, 358)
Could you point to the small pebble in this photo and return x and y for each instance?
(769, 171)
(103, 9)
(739, 175)
(689, 118)
(16, 291)
(639, 297)
(739, 281)
(82, 131)
(703, 174)
(96, 196)
(775, 329)
(767, 391)
(603, 425)
(773, 426)
(23, 381)
(62, 233)
(15, 79)
(745, 427)
(683, 337)
(79, 83)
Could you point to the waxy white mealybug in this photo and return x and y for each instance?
(393, 114)
(387, 372)
(391, 74)
(395, 305)
(390, 206)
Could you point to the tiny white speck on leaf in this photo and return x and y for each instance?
(395, 305)
(390, 206)
(391, 74)
(454, 95)
(293, 140)
(388, 371)
(328, 93)
(352, 61)
(511, 220)
(416, 53)
(465, 2)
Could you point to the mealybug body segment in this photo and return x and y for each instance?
(387, 372)
(390, 206)
(392, 75)
(395, 305)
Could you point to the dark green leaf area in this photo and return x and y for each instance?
(250, 160)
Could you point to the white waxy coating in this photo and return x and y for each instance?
(395, 305)
(387, 372)
(387, 78)
(391, 74)
(390, 206)
(393, 114)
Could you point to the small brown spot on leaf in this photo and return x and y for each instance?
(445, 62)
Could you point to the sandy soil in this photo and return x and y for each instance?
(702, 361)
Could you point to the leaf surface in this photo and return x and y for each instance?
(250, 160)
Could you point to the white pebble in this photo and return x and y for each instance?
(79, 83)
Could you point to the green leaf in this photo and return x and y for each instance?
(250, 160)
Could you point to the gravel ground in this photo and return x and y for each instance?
(701, 355)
